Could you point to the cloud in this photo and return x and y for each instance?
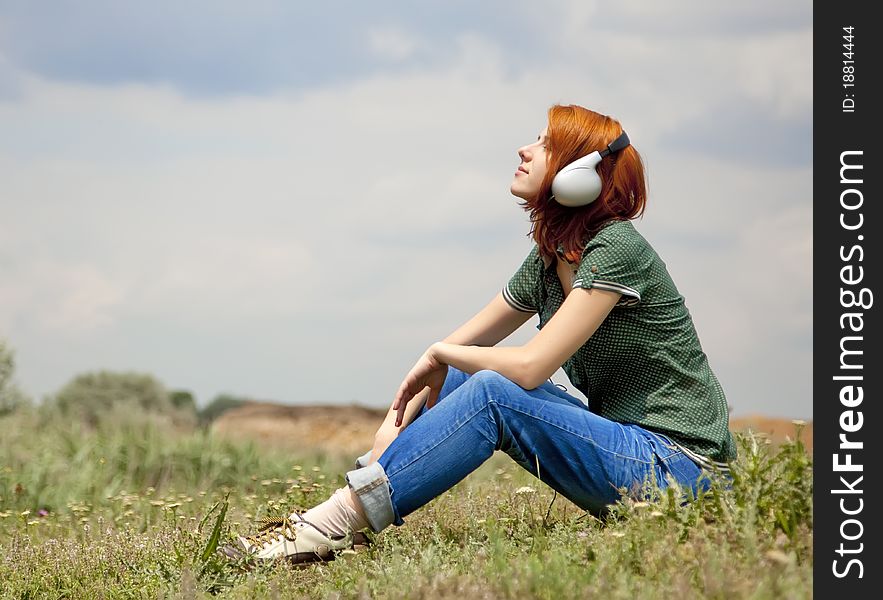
(391, 43)
(747, 133)
(9, 80)
(224, 48)
(691, 19)
(60, 297)
(260, 241)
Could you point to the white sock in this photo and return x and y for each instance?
(337, 515)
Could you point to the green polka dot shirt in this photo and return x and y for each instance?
(644, 365)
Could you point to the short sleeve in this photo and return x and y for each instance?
(617, 263)
(521, 291)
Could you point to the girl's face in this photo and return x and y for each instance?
(532, 170)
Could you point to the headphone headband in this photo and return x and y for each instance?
(616, 145)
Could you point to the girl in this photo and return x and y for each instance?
(609, 315)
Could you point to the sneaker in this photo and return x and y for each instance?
(295, 540)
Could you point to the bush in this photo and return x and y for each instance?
(219, 405)
(104, 396)
(183, 400)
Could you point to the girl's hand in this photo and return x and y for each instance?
(427, 372)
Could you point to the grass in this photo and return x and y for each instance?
(135, 511)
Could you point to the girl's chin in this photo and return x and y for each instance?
(518, 192)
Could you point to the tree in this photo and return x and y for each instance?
(95, 396)
(11, 397)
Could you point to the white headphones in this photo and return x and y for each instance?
(578, 183)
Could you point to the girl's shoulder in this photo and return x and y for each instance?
(616, 229)
(618, 234)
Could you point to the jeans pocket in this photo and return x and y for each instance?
(664, 448)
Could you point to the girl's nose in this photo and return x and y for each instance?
(524, 154)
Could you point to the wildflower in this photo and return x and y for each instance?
(25, 512)
(799, 422)
(617, 534)
(296, 468)
(316, 468)
(43, 512)
(656, 514)
(525, 490)
(3, 515)
(157, 502)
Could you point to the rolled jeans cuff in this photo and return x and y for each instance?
(371, 486)
(363, 460)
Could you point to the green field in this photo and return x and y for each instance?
(133, 509)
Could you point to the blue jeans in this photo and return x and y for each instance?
(586, 458)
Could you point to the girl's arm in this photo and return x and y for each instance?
(492, 324)
(530, 365)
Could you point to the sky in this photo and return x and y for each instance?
(291, 201)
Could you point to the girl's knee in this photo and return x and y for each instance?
(488, 376)
(486, 389)
(497, 388)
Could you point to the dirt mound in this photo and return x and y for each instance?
(778, 430)
(350, 429)
(334, 429)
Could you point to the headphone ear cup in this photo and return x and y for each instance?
(578, 183)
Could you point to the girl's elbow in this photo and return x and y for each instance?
(532, 375)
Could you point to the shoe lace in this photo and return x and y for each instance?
(270, 529)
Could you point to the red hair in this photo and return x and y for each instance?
(574, 132)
